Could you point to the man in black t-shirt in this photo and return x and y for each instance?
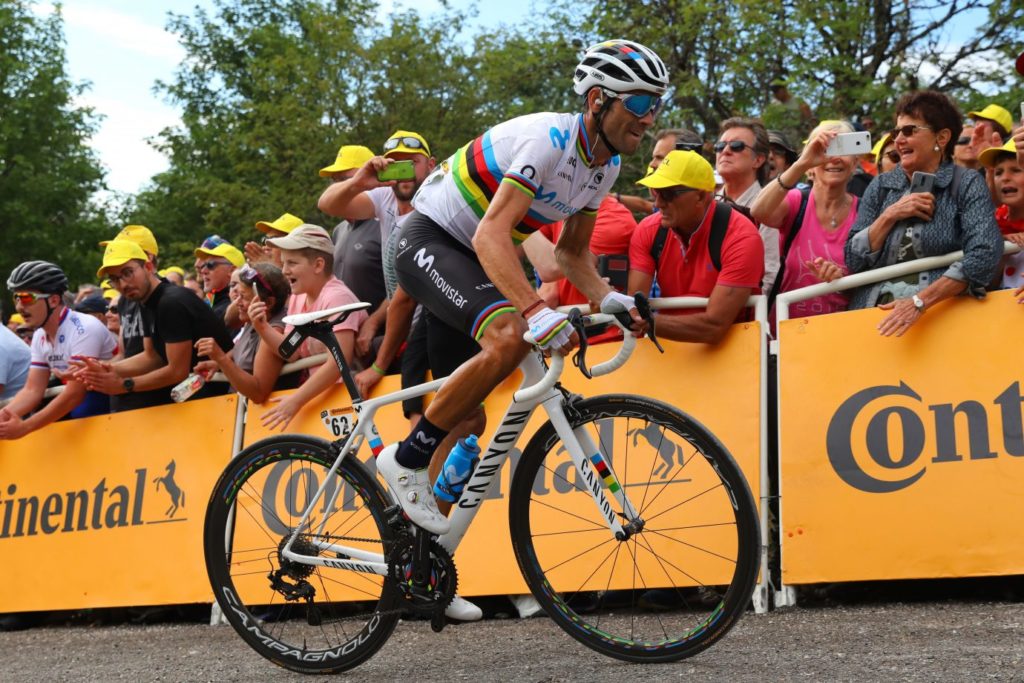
(133, 329)
(174, 319)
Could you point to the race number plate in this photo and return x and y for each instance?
(338, 421)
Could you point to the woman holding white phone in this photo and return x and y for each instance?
(813, 248)
(896, 224)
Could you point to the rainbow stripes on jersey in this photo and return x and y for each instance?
(602, 470)
(477, 176)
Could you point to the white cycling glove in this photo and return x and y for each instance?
(550, 329)
(617, 302)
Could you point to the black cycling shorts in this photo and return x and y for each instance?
(445, 276)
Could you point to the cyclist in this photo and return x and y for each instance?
(456, 254)
(60, 335)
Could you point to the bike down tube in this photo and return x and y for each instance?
(492, 459)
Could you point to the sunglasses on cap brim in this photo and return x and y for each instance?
(411, 143)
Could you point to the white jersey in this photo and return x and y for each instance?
(77, 335)
(547, 156)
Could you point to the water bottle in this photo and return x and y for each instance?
(188, 386)
(457, 470)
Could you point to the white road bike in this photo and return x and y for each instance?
(631, 523)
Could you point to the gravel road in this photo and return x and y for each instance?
(945, 640)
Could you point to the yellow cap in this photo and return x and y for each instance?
(879, 146)
(139, 234)
(349, 157)
(286, 222)
(16, 319)
(990, 157)
(405, 141)
(994, 112)
(120, 252)
(224, 250)
(688, 169)
(171, 269)
(109, 294)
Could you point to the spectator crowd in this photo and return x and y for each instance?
(754, 211)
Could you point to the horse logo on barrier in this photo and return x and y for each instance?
(173, 490)
(668, 451)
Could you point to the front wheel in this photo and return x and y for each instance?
(686, 572)
(304, 617)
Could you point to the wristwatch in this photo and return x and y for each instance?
(918, 303)
(128, 384)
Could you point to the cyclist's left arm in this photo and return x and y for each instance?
(573, 255)
(495, 249)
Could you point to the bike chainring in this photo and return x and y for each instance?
(437, 593)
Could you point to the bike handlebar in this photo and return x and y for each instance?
(557, 363)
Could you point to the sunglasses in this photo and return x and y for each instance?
(212, 265)
(253, 278)
(26, 333)
(668, 195)
(893, 156)
(734, 145)
(28, 298)
(114, 309)
(963, 140)
(683, 146)
(411, 143)
(907, 130)
(638, 105)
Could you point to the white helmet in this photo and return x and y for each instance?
(620, 66)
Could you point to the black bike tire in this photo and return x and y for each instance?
(242, 467)
(738, 596)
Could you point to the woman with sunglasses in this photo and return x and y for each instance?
(815, 245)
(253, 369)
(895, 225)
(887, 158)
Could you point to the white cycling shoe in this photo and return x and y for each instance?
(461, 609)
(414, 492)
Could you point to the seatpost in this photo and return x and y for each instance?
(323, 330)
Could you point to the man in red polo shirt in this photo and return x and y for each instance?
(683, 188)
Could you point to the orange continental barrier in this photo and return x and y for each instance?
(720, 387)
(108, 511)
(901, 458)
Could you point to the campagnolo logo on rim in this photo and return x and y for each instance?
(883, 413)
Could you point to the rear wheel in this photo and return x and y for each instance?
(683, 577)
(307, 618)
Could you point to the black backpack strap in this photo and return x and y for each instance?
(719, 226)
(658, 245)
(798, 222)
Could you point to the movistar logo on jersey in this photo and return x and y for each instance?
(424, 260)
(559, 138)
(551, 199)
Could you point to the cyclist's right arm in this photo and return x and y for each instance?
(348, 198)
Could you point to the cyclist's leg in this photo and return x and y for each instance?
(447, 279)
(448, 348)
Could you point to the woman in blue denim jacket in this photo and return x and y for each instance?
(894, 225)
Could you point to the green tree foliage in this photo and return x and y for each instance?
(47, 172)
(271, 88)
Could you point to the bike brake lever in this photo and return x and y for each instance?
(580, 359)
(643, 307)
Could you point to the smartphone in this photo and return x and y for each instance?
(397, 170)
(615, 267)
(1022, 111)
(922, 182)
(847, 144)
